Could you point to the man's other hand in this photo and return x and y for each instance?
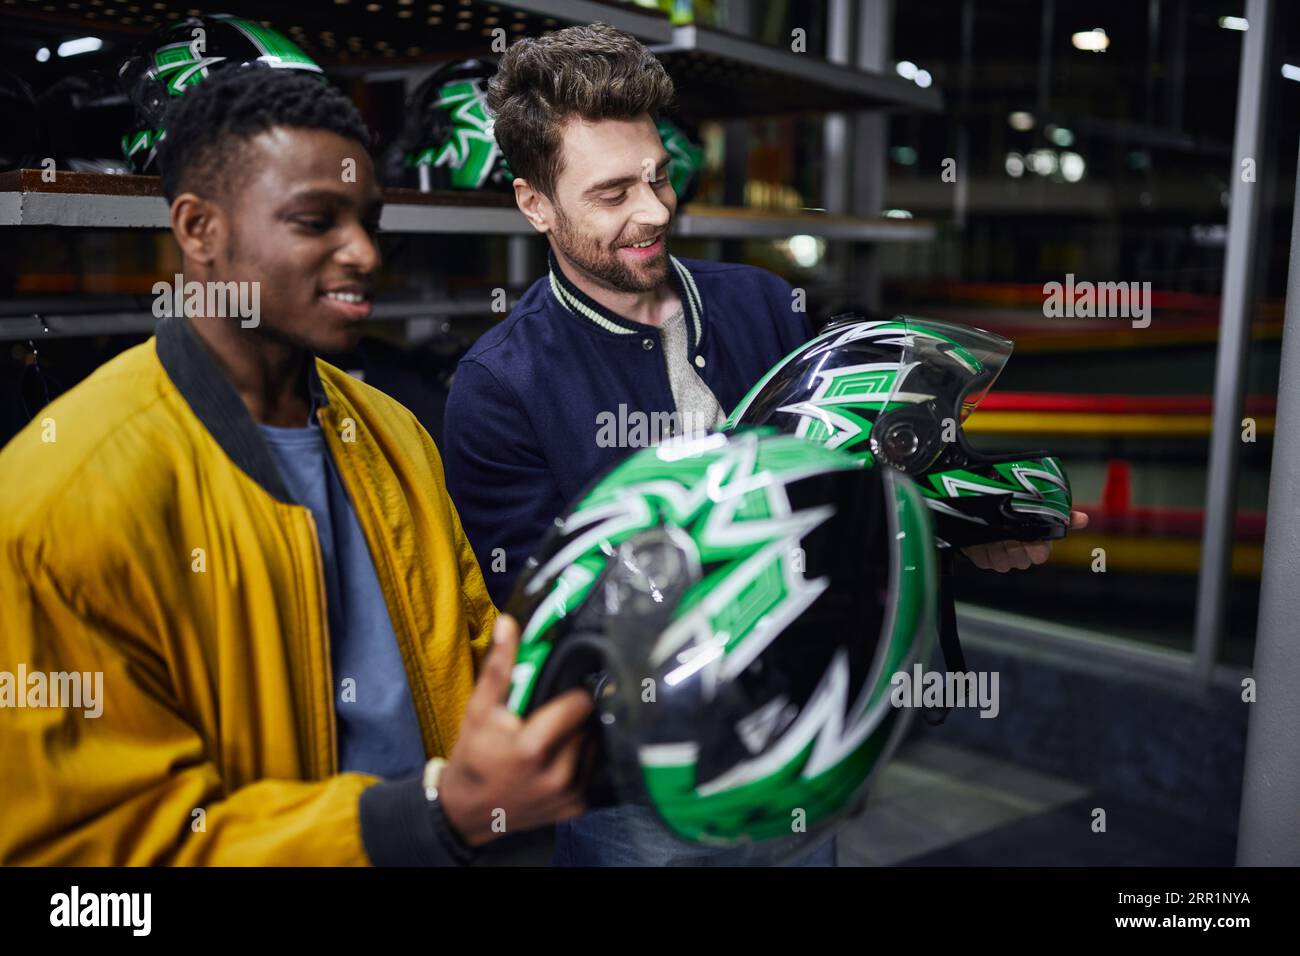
(1004, 555)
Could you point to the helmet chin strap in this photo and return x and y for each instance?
(953, 659)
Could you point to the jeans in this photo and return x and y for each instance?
(631, 835)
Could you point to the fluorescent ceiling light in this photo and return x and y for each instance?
(80, 45)
(1092, 41)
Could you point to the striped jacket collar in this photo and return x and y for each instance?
(580, 304)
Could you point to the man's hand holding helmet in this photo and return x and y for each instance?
(1022, 555)
(523, 772)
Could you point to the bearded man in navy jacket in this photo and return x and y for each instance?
(620, 341)
(618, 344)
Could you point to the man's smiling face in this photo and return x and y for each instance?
(611, 196)
(306, 235)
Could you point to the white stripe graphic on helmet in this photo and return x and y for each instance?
(574, 578)
(822, 721)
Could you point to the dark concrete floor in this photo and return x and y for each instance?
(938, 804)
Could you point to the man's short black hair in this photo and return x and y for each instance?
(208, 126)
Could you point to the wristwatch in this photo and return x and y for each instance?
(454, 843)
(432, 774)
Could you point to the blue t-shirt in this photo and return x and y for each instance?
(378, 731)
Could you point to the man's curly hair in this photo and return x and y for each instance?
(208, 126)
(593, 73)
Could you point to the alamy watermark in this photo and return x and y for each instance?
(77, 690)
(637, 429)
(946, 689)
(212, 300)
(130, 910)
(1098, 300)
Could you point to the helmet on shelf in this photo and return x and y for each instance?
(686, 157)
(179, 55)
(447, 141)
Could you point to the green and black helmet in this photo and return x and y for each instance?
(897, 392)
(447, 141)
(180, 55)
(686, 157)
(739, 604)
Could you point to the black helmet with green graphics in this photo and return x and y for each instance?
(686, 156)
(446, 141)
(739, 604)
(897, 393)
(180, 55)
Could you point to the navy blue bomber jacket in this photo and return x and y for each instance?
(528, 422)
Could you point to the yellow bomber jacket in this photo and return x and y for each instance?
(146, 536)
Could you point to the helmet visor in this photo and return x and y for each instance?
(956, 364)
(944, 372)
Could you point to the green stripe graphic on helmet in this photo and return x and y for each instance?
(140, 141)
(711, 494)
(734, 418)
(685, 158)
(184, 63)
(766, 805)
(470, 150)
(730, 816)
(570, 591)
(180, 66)
(276, 48)
(1037, 485)
(729, 498)
(843, 387)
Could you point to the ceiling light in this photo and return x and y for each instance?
(79, 46)
(1091, 41)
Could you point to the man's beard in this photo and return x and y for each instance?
(606, 265)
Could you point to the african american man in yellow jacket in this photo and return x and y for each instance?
(256, 555)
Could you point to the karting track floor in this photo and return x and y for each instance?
(938, 804)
